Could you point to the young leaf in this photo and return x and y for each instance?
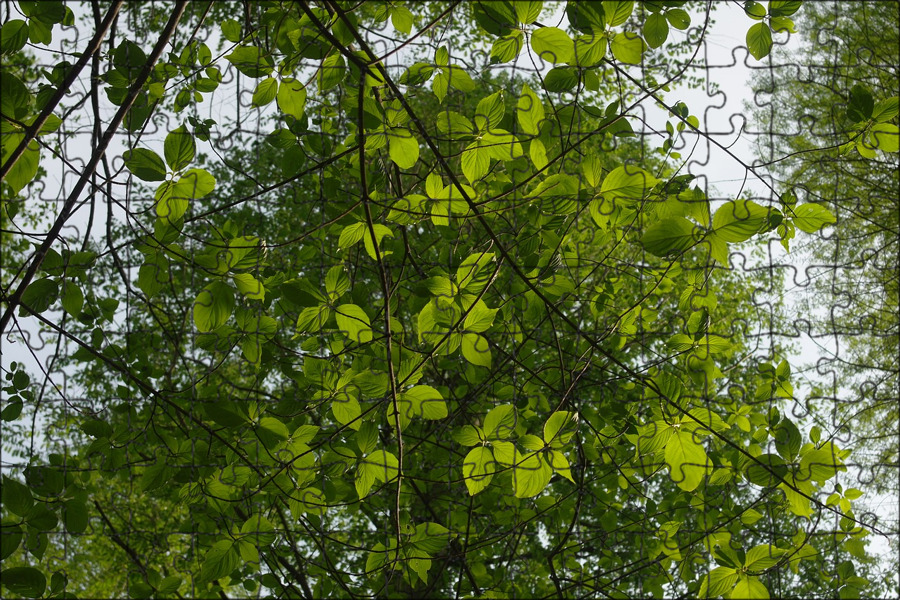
(179, 148)
(478, 469)
(656, 30)
(553, 45)
(145, 164)
(220, 561)
(476, 350)
(687, 460)
(500, 422)
(531, 475)
(669, 236)
(251, 61)
(291, 97)
(265, 92)
(627, 47)
(354, 322)
(812, 217)
(759, 40)
(213, 306)
(403, 148)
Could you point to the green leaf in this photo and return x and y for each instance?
(231, 30)
(75, 516)
(538, 154)
(336, 282)
(426, 402)
(13, 36)
(24, 581)
(40, 295)
(586, 17)
(750, 588)
(467, 435)
(179, 148)
(402, 19)
(617, 11)
(458, 78)
(145, 164)
(489, 112)
(16, 100)
(454, 124)
(500, 422)
(378, 466)
(656, 30)
(627, 47)
(291, 97)
(787, 439)
(754, 10)
(528, 11)
(476, 161)
(213, 306)
(784, 8)
(220, 560)
(555, 423)
(812, 217)
(589, 51)
(249, 286)
(478, 469)
(129, 59)
(750, 516)
(265, 92)
(403, 148)
(531, 475)
(259, 529)
(766, 470)
(718, 582)
(886, 136)
(669, 236)
(155, 476)
(351, 235)
(476, 350)
(507, 48)
(678, 18)
(561, 79)
(886, 109)
(553, 45)
(818, 465)
(251, 61)
(628, 182)
(24, 171)
(381, 231)
(354, 322)
(332, 72)
(472, 275)
(417, 74)
(739, 220)
(759, 40)
(10, 539)
(195, 183)
(72, 298)
(16, 497)
(763, 557)
(313, 318)
(480, 317)
(687, 461)
(861, 105)
(346, 410)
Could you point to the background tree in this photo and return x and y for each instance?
(846, 90)
(421, 329)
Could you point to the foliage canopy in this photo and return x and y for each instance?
(418, 310)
